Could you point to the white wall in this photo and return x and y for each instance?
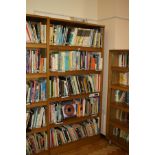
(76, 8)
(114, 14)
(121, 34)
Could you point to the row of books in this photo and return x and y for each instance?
(35, 118)
(121, 134)
(35, 90)
(121, 96)
(65, 35)
(68, 133)
(36, 143)
(35, 61)
(35, 32)
(124, 78)
(123, 60)
(72, 85)
(122, 116)
(75, 60)
(73, 108)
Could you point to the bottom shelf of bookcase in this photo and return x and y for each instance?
(73, 145)
(119, 142)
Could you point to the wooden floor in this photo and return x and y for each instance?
(99, 147)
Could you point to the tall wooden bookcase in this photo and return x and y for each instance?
(48, 48)
(118, 98)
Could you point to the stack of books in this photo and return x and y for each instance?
(73, 108)
(36, 143)
(123, 60)
(68, 133)
(65, 35)
(35, 32)
(35, 90)
(35, 61)
(75, 60)
(121, 96)
(35, 118)
(121, 134)
(72, 85)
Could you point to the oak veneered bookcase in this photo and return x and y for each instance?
(118, 98)
(42, 78)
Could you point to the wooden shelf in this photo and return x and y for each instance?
(35, 45)
(61, 148)
(36, 104)
(35, 16)
(35, 130)
(121, 106)
(72, 97)
(73, 120)
(122, 125)
(77, 72)
(120, 69)
(120, 87)
(72, 48)
(35, 75)
(119, 142)
(120, 51)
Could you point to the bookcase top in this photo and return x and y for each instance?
(65, 21)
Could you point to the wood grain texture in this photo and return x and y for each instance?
(113, 84)
(99, 146)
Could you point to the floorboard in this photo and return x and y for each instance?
(99, 147)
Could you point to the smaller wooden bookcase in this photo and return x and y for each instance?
(118, 98)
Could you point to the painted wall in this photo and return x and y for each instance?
(76, 8)
(114, 14)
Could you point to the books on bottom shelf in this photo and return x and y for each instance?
(121, 134)
(73, 85)
(35, 118)
(69, 133)
(36, 143)
(60, 111)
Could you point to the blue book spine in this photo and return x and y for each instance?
(43, 90)
(66, 61)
